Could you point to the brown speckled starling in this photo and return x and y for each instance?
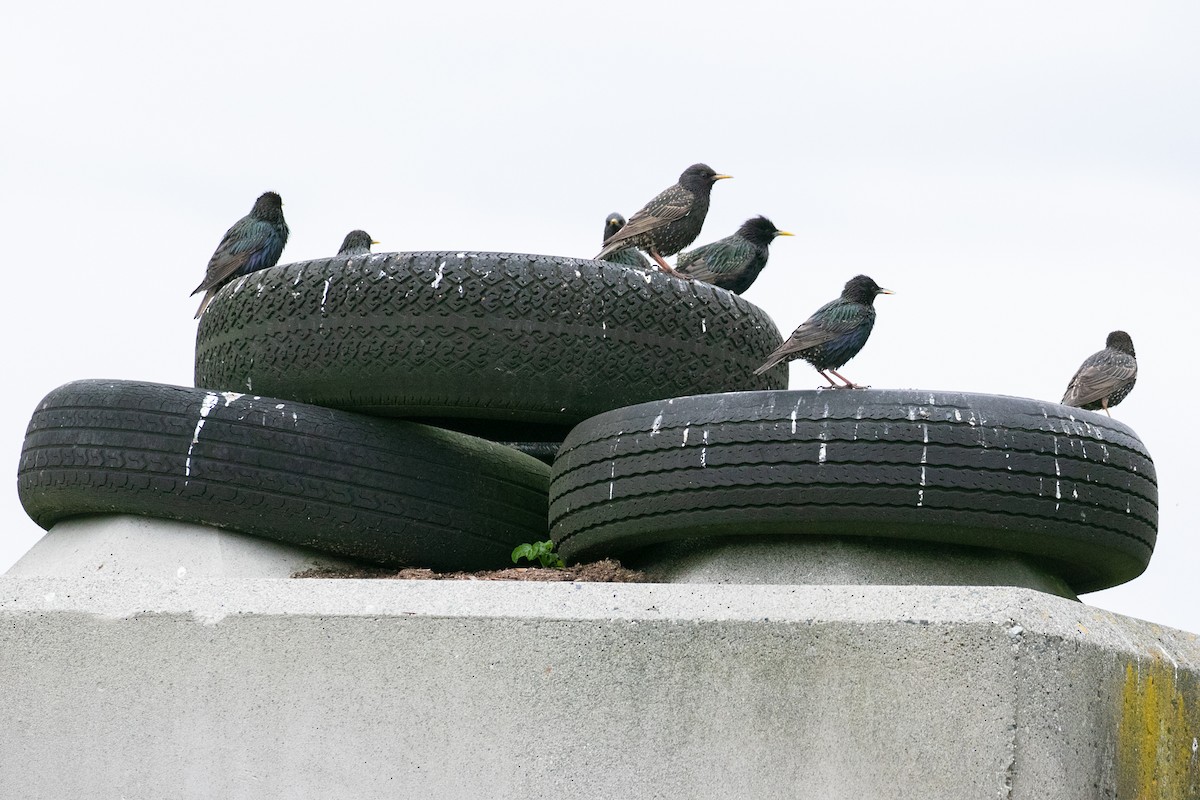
(672, 220)
(1105, 378)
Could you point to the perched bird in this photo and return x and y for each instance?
(735, 261)
(254, 242)
(834, 333)
(671, 221)
(356, 243)
(629, 256)
(1105, 378)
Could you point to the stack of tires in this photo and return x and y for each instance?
(397, 408)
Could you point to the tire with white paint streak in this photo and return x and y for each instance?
(507, 346)
(386, 491)
(1074, 491)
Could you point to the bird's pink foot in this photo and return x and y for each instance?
(667, 268)
(848, 384)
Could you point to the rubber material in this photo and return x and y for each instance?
(542, 451)
(388, 491)
(480, 336)
(1073, 490)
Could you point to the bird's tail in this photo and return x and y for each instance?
(208, 296)
(772, 361)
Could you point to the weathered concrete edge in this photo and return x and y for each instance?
(212, 600)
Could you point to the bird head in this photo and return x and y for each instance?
(357, 240)
(1120, 340)
(861, 289)
(268, 206)
(612, 224)
(760, 230)
(700, 176)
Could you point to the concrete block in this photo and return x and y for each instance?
(126, 546)
(842, 560)
(371, 688)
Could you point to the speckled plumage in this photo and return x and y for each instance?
(672, 220)
(356, 243)
(734, 262)
(1106, 377)
(834, 333)
(628, 256)
(254, 242)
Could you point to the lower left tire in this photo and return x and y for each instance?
(388, 491)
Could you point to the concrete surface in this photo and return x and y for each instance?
(126, 546)
(185, 688)
(843, 560)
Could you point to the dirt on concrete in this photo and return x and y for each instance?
(607, 571)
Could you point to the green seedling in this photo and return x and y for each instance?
(541, 552)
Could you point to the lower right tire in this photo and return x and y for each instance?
(1072, 490)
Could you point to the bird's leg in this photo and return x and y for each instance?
(1104, 404)
(832, 385)
(849, 384)
(665, 266)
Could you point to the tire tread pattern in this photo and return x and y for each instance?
(494, 336)
(1069, 487)
(387, 491)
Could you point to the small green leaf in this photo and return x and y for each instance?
(542, 552)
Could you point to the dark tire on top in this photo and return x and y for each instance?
(387, 491)
(1072, 490)
(496, 344)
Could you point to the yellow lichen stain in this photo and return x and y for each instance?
(1159, 733)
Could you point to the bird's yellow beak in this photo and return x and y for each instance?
(721, 177)
(784, 233)
(884, 291)
(374, 242)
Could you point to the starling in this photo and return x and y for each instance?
(254, 242)
(1105, 378)
(834, 333)
(672, 220)
(629, 256)
(356, 243)
(735, 261)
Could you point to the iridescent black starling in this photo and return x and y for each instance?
(1105, 378)
(834, 333)
(356, 243)
(735, 261)
(254, 242)
(629, 256)
(672, 220)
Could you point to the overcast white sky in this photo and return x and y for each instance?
(1025, 175)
